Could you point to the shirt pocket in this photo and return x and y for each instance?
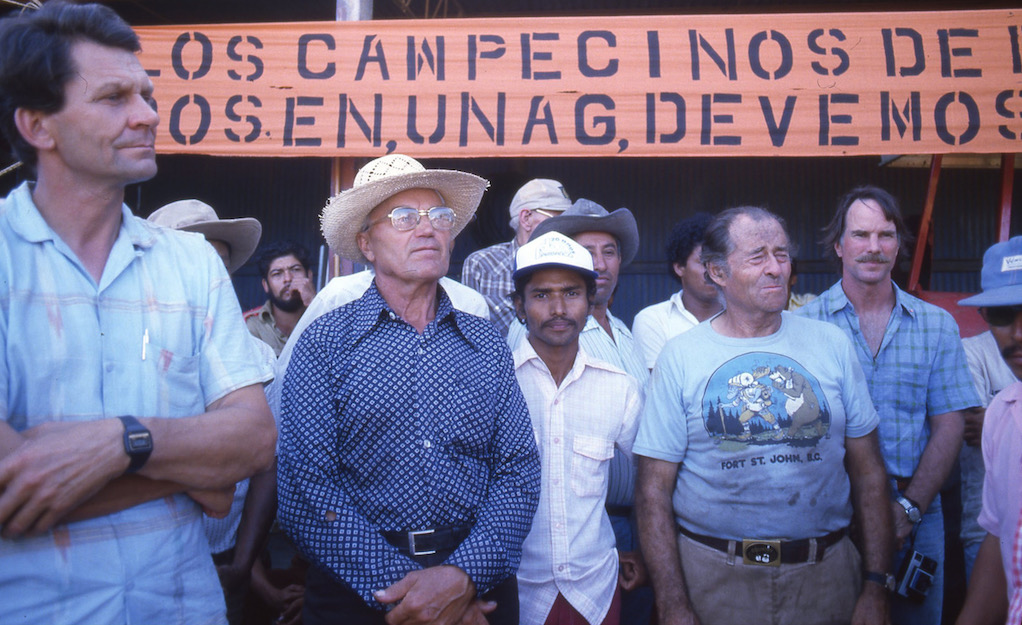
(589, 465)
(178, 387)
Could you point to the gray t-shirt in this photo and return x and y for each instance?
(759, 428)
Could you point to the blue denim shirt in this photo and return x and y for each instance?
(919, 371)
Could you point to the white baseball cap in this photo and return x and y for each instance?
(553, 249)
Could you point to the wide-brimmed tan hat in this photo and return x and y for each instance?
(196, 216)
(346, 212)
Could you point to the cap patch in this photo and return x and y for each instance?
(1011, 263)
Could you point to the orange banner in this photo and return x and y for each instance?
(829, 84)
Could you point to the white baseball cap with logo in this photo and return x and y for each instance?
(553, 249)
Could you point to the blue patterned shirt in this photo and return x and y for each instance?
(919, 371)
(385, 429)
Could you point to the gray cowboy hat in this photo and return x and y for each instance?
(588, 216)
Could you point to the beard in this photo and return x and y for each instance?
(292, 302)
(1011, 351)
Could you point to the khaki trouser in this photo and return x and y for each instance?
(725, 591)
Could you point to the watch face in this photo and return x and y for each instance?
(139, 442)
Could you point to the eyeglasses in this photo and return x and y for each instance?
(545, 212)
(1001, 315)
(405, 218)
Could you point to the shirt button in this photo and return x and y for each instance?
(557, 441)
(556, 481)
(330, 516)
(557, 401)
(393, 317)
(109, 367)
(560, 568)
(427, 444)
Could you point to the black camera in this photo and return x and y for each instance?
(915, 576)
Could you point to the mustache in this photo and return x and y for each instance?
(871, 257)
(1011, 351)
(553, 320)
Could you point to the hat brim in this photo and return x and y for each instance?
(521, 273)
(620, 223)
(346, 212)
(241, 234)
(1004, 296)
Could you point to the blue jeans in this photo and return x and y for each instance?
(971, 550)
(929, 541)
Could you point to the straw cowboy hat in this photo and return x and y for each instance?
(379, 179)
(588, 216)
(196, 216)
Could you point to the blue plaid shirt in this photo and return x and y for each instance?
(383, 428)
(919, 371)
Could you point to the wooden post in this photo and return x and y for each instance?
(924, 225)
(342, 170)
(342, 176)
(1007, 183)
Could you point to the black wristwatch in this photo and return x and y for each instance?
(911, 508)
(138, 443)
(886, 580)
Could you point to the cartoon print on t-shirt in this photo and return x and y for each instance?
(763, 398)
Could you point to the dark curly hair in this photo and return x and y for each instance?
(685, 236)
(279, 249)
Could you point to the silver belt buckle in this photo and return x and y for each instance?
(414, 550)
(761, 552)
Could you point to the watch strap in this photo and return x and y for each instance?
(138, 443)
(885, 580)
(911, 509)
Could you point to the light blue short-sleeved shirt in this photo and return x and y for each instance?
(160, 335)
(758, 427)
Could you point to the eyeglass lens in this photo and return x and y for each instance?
(406, 218)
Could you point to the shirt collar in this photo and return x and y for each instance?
(593, 324)
(902, 300)
(834, 299)
(526, 353)
(372, 309)
(266, 312)
(1012, 393)
(677, 303)
(28, 222)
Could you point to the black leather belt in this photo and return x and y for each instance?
(429, 541)
(618, 510)
(790, 551)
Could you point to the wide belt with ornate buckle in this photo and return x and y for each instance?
(762, 552)
(771, 552)
(427, 542)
